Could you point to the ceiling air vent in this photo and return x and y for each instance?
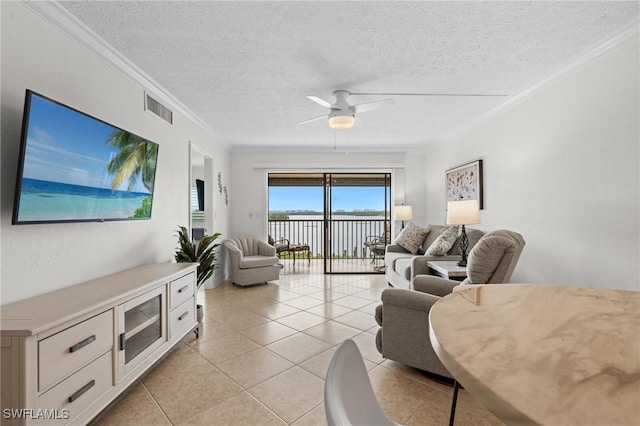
(158, 109)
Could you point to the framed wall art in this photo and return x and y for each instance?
(465, 182)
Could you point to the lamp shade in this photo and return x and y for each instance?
(464, 212)
(403, 213)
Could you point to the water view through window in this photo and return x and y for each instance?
(356, 208)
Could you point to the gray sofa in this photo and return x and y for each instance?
(401, 266)
(404, 314)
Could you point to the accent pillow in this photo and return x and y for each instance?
(443, 243)
(411, 237)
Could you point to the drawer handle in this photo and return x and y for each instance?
(83, 343)
(77, 394)
(186, 287)
(183, 316)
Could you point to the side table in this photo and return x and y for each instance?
(298, 248)
(448, 269)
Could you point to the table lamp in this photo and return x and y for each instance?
(463, 212)
(402, 213)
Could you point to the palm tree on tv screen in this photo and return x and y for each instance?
(136, 157)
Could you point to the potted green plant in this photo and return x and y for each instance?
(202, 251)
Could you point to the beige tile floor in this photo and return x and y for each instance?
(262, 357)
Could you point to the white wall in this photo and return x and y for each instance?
(414, 187)
(562, 168)
(248, 194)
(40, 258)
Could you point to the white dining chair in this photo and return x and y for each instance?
(348, 395)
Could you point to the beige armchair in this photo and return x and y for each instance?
(404, 314)
(252, 261)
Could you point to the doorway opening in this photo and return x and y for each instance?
(200, 187)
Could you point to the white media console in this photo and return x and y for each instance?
(68, 353)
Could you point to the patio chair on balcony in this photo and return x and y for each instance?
(300, 248)
(284, 246)
(375, 245)
(281, 245)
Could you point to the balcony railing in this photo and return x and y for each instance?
(347, 236)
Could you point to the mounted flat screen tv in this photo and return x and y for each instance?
(76, 168)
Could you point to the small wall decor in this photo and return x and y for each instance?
(465, 182)
(220, 182)
(226, 195)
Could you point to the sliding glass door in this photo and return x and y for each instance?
(357, 215)
(336, 222)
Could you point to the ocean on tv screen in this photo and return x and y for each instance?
(43, 201)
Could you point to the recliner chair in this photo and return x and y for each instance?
(252, 261)
(404, 314)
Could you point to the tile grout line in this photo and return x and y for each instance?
(243, 389)
(153, 398)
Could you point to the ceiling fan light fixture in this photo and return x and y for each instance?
(341, 121)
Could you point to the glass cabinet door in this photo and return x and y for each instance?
(142, 328)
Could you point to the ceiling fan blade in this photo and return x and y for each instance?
(314, 119)
(430, 94)
(320, 101)
(370, 106)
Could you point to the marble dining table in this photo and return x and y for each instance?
(544, 354)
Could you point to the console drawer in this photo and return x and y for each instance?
(79, 390)
(182, 318)
(181, 290)
(67, 351)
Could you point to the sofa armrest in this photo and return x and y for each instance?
(419, 265)
(434, 285)
(235, 254)
(395, 248)
(408, 299)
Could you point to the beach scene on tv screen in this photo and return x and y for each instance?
(80, 168)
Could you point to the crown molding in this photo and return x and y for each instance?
(630, 30)
(54, 13)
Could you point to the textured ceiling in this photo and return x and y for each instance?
(245, 68)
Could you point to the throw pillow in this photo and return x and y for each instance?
(443, 243)
(411, 237)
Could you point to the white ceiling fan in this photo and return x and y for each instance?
(342, 115)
